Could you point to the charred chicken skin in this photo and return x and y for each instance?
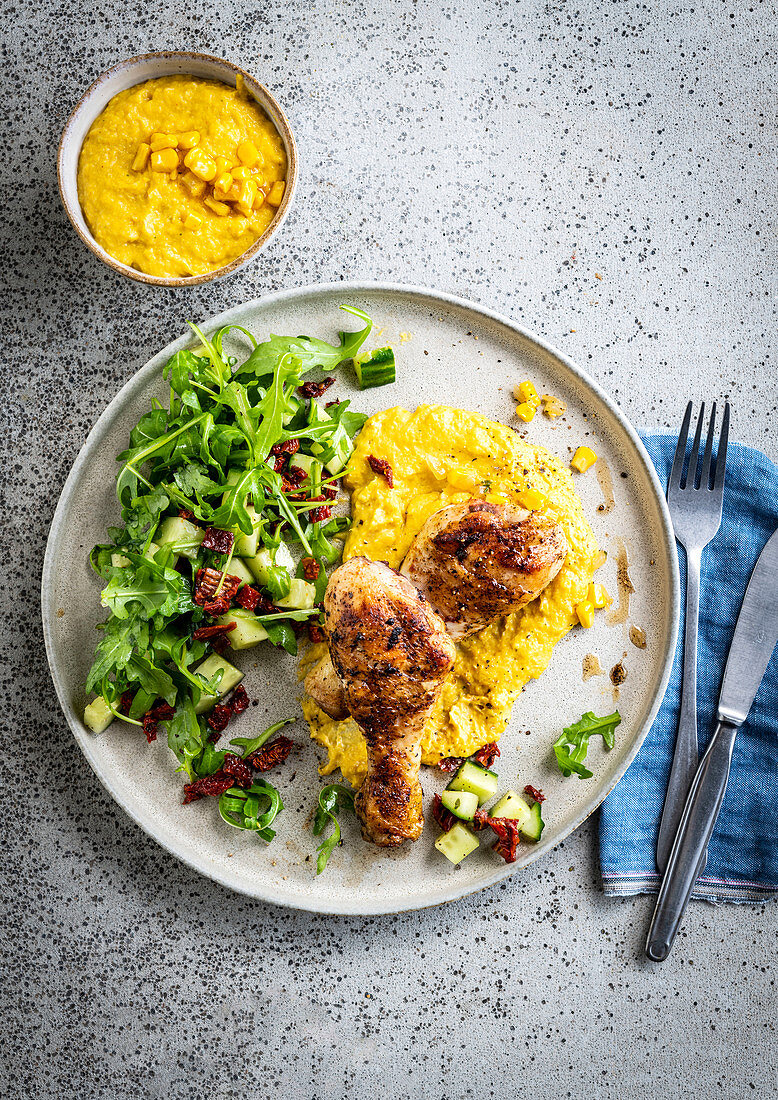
(391, 653)
(390, 638)
(476, 561)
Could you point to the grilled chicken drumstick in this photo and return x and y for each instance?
(391, 653)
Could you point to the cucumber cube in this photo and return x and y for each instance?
(534, 826)
(304, 462)
(97, 715)
(461, 803)
(185, 536)
(247, 633)
(457, 843)
(238, 568)
(246, 545)
(512, 805)
(208, 668)
(119, 561)
(302, 595)
(472, 777)
(262, 561)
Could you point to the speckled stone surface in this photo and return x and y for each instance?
(599, 172)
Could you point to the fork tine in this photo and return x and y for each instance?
(721, 453)
(705, 470)
(680, 450)
(691, 476)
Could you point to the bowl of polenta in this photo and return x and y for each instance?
(176, 168)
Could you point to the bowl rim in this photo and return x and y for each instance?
(280, 121)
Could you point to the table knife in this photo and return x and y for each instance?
(753, 642)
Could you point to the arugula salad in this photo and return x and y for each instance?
(227, 502)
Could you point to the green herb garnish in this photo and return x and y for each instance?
(572, 746)
(333, 799)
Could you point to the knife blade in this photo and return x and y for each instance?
(755, 638)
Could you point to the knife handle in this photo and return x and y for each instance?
(687, 855)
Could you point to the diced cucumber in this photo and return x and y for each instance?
(304, 462)
(375, 369)
(317, 415)
(238, 568)
(208, 668)
(185, 536)
(457, 843)
(262, 561)
(119, 561)
(247, 633)
(461, 803)
(472, 777)
(342, 446)
(512, 805)
(293, 406)
(302, 595)
(246, 545)
(535, 825)
(151, 550)
(97, 715)
(233, 477)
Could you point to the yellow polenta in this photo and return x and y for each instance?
(433, 452)
(159, 221)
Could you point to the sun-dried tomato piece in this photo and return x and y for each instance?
(218, 540)
(450, 763)
(535, 792)
(288, 447)
(184, 513)
(329, 492)
(293, 477)
(125, 701)
(444, 817)
(271, 755)
(316, 515)
(315, 632)
(248, 597)
(162, 711)
(239, 770)
(507, 832)
(220, 645)
(382, 467)
(219, 717)
(206, 584)
(150, 727)
(213, 785)
(239, 700)
(315, 389)
(212, 631)
(487, 755)
(311, 569)
(480, 819)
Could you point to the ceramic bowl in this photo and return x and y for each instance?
(135, 71)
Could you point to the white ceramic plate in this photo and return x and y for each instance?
(448, 351)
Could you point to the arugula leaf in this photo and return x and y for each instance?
(333, 799)
(119, 639)
(240, 807)
(152, 679)
(159, 590)
(186, 736)
(248, 745)
(572, 745)
(311, 352)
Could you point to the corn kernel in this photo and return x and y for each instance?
(464, 480)
(248, 153)
(223, 165)
(191, 221)
(276, 193)
(194, 186)
(188, 140)
(248, 192)
(220, 208)
(165, 160)
(223, 182)
(526, 392)
(141, 157)
(532, 500)
(585, 613)
(241, 173)
(583, 458)
(259, 199)
(497, 498)
(598, 595)
(202, 166)
(525, 411)
(163, 141)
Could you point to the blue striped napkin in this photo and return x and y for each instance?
(743, 852)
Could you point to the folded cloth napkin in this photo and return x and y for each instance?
(743, 851)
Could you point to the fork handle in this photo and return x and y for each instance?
(688, 854)
(686, 753)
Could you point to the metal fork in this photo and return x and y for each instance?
(695, 508)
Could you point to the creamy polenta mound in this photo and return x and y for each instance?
(442, 456)
(179, 175)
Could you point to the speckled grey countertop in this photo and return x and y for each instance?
(511, 155)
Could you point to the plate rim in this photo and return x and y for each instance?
(448, 892)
